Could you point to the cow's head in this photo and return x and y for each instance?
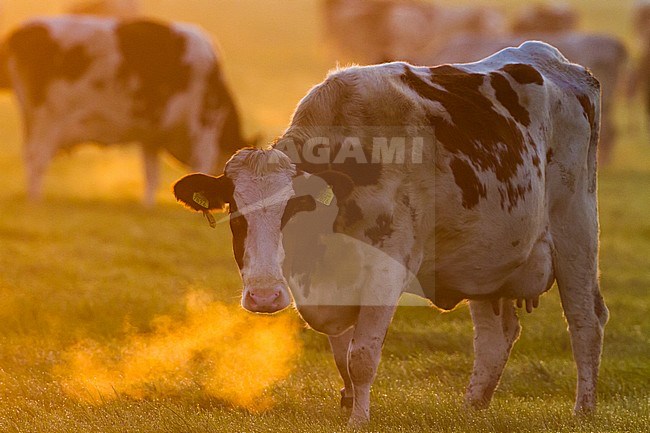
(262, 190)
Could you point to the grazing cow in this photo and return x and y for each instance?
(545, 18)
(111, 8)
(604, 55)
(641, 19)
(497, 207)
(379, 30)
(80, 79)
(640, 74)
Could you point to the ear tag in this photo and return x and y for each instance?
(325, 196)
(210, 218)
(200, 199)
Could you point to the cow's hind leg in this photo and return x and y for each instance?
(576, 269)
(494, 336)
(340, 346)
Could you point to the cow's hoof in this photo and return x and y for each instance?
(477, 404)
(585, 408)
(357, 422)
(346, 402)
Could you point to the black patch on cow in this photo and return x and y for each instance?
(381, 231)
(218, 191)
(303, 203)
(523, 74)
(466, 179)
(239, 229)
(588, 109)
(218, 97)
(535, 160)
(535, 157)
(177, 141)
(40, 60)
(509, 98)
(484, 137)
(511, 196)
(152, 53)
(515, 243)
(363, 172)
(351, 213)
(549, 155)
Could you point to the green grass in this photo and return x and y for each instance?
(90, 265)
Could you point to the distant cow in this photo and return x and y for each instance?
(604, 55)
(640, 74)
(111, 8)
(545, 17)
(374, 31)
(80, 79)
(478, 179)
(641, 19)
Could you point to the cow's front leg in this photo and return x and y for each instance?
(151, 174)
(340, 346)
(364, 354)
(494, 336)
(38, 154)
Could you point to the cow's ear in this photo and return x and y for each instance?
(342, 184)
(201, 192)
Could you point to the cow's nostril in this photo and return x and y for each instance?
(265, 300)
(264, 297)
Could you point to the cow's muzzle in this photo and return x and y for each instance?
(266, 300)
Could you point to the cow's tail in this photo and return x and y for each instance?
(592, 154)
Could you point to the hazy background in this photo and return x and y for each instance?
(117, 318)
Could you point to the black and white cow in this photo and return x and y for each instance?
(357, 200)
(80, 79)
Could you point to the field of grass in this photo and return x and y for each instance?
(114, 318)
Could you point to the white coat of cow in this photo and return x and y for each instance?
(497, 207)
(86, 79)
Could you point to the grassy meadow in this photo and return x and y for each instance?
(114, 318)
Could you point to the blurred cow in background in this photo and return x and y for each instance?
(371, 31)
(641, 20)
(112, 8)
(86, 79)
(604, 55)
(639, 81)
(545, 18)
